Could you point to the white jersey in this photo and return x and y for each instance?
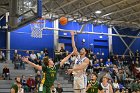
(79, 61)
(105, 88)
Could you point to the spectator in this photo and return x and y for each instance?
(135, 86)
(23, 81)
(94, 58)
(116, 86)
(62, 52)
(22, 64)
(37, 79)
(101, 63)
(6, 72)
(96, 66)
(46, 52)
(115, 69)
(137, 54)
(2, 56)
(27, 54)
(108, 63)
(17, 62)
(31, 83)
(33, 57)
(59, 89)
(42, 55)
(15, 56)
(115, 59)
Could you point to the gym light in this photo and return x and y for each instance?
(98, 12)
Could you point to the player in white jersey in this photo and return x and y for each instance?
(105, 87)
(79, 69)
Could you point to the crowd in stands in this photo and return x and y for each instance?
(123, 71)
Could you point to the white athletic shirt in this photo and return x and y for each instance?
(79, 61)
(106, 88)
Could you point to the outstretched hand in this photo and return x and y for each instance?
(25, 59)
(72, 33)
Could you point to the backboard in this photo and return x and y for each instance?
(22, 12)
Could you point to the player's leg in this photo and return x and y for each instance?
(46, 89)
(76, 85)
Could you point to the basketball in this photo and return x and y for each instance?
(63, 20)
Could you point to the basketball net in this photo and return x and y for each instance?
(36, 28)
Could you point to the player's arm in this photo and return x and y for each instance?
(88, 86)
(81, 66)
(12, 90)
(65, 59)
(73, 42)
(31, 63)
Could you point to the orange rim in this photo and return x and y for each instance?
(39, 22)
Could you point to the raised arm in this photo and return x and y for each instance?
(73, 43)
(72, 39)
(24, 59)
(67, 57)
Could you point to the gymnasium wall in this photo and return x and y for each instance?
(2, 39)
(2, 33)
(119, 47)
(98, 44)
(21, 39)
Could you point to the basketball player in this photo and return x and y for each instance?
(79, 69)
(105, 86)
(93, 84)
(49, 71)
(15, 87)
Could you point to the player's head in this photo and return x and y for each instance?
(48, 61)
(18, 80)
(83, 51)
(105, 78)
(94, 76)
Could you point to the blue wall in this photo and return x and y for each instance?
(119, 47)
(21, 39)
(2, 39)
(3, 33)
(99, 44)
(136, 45)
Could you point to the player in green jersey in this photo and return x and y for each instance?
(15, 86)
(49, 71)
(93, 84)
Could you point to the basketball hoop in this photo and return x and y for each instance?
(36, 28)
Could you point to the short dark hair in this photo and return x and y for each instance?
(46, 61)
(86, 50)
(95, 74)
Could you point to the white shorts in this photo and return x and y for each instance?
(80, 82)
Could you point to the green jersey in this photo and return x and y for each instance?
(15, 87)
(49, 74)
(93, 88)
